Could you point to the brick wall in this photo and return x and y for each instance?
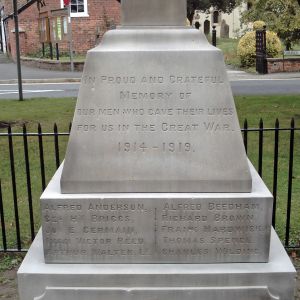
(87, 31)
(276, 65)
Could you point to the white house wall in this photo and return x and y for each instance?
(236, 28)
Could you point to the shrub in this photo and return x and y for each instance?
(246, 47)
(258, 25)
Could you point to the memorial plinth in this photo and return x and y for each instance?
(156, 198)
(156, 227)
(155, 113)
(153, 13)
(248, 281)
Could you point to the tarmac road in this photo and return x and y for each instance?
(266, 86)
(70, 89)
(34, 90)
(48, 83)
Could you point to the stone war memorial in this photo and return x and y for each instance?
(156, 198)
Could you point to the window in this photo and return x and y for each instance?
(216, 16)
(78, 8)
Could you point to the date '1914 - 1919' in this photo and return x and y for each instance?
(164, 147)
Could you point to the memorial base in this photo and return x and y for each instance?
(156, 227)
(243, 281)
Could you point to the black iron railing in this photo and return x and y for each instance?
(19, 215)
(261, 51)
(261, 130)
(26, 173)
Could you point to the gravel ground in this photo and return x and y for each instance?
(8, 285)
(9, 291)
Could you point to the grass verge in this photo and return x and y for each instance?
(229, 49)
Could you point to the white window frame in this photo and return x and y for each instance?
(2, 30)
(78, 14)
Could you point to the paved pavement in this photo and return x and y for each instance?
(8, 74)
(4, 59)
(243, 76)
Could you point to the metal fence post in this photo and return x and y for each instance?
(275, 171)
(214, 36)
(14, 186)
(260, 146)
(3, 228)
(290, 184)
(261, 51)
(28, 180)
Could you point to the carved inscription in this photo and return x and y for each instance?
(183, 228)
(119, 230)
(155, 79)
(106, 229)
(160, 105)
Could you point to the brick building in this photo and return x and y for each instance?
(90, 19)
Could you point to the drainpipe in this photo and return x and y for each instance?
(2, 30)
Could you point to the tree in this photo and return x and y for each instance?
(281, 16)
(225, 6)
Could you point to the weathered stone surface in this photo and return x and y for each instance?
(155, 113)
(153, 13)
(156, 227)
(188, 293)
(244, 281)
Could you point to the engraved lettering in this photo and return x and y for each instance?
(179, 127)
(117, 206)
(183, 240)
(233, 218)
(190, 111)
(86, 127)
(184, 96)
(145, 127)
(111, 230)
(89, 79)
(214, 126)
(233, 206)
(106, 218)
(117, 79)
(196, 79)
(160, 112)
(86, 111)
(127, 95)
(184, 251)
(182, 206)
(238, 251)
(93, 241)
(152, 79)
(109, 111)
(133, 111)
